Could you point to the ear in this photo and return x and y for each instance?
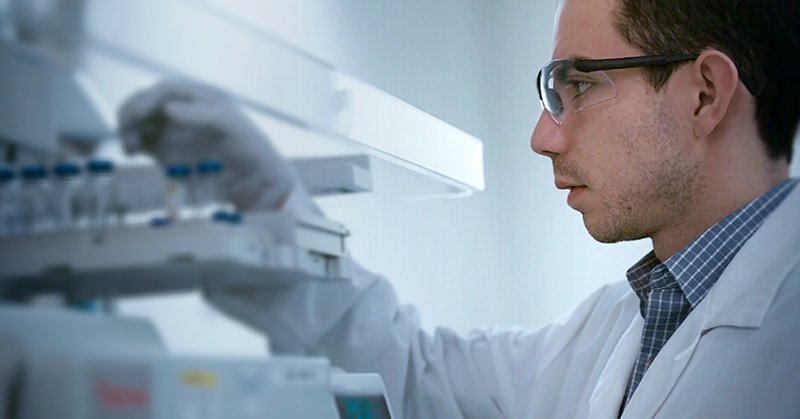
(716, 79)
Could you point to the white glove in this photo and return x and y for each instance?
(182, 122)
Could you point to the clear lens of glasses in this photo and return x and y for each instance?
(563, 90)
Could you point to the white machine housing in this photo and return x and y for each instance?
(92, 366)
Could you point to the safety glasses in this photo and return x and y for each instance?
(570, 86)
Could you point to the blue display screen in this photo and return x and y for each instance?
(362, 407)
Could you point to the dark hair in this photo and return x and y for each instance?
(760, 36)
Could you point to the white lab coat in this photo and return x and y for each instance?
(737, 355)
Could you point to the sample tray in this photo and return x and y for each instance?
(271, 248)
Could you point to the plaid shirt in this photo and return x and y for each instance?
(669, 291)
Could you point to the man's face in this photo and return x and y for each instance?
(627, 162)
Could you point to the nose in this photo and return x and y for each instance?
(547, 138)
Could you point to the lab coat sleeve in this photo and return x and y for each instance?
(360, 326)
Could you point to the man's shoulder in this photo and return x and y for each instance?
(615, 294)
(789, 291)
(612, 299)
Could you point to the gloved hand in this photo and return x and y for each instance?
(182, 122)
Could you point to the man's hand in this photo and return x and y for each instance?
(181, 122)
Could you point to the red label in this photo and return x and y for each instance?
(121, 397)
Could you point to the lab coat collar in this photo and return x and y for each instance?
(609, 390)
(740, 298)
(747, 287)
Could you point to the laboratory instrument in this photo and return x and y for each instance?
(110, 367)
(66, 68)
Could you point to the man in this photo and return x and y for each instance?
(685, 140)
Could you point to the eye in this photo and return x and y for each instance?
(581, 86)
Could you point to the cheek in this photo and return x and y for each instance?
(621, 164)
(605, 150)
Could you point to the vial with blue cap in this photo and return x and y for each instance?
(67, 190)
(10, 203)
(99, 194)
(208, 193)
(177, 192)
(160, 222)
(37, 216)
(226, 217)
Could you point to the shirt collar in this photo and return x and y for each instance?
(697, 267)
(639, 278)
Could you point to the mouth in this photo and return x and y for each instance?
(575, 190)
(574, 194)
(565, 184)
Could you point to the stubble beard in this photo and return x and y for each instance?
(666, 182)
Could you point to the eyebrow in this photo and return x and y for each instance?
(573, 57)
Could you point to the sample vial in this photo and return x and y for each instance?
(220, 217)
(36, 214)
(177, 192)
(99, 193)
(227, 217)
(234, 218)
(10, 203)
(159, 222)
(67, 190)
(208, 189)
